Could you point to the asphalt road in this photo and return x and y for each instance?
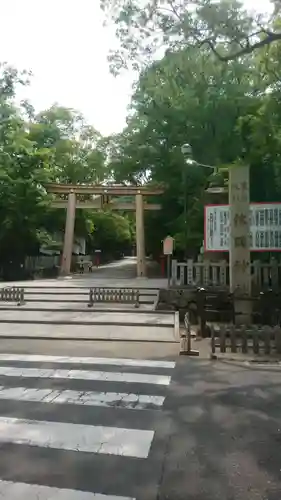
(125, 429)
(226, 432)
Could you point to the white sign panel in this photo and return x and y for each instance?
(265, 227)
(168, 245)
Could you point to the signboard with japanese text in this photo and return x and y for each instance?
(265, 227)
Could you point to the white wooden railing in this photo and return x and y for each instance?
(206, 273)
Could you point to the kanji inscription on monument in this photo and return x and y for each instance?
(239, 244)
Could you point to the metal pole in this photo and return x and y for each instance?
(185, 344)
(169, 269)
(189, 339)
(68, 234)
(185, 213)
(140, 242)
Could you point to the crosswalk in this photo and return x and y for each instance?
(79, 428)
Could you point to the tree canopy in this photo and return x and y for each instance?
(225, 27)
(228, 112)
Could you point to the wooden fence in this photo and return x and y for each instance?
(252, 339)
(41, 261)
(191, 273)
(38, 262)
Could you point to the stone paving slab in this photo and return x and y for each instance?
(74, 306)
(87, 317)
(90, 281)
(163, 351)
(88, 332)
(83, 290)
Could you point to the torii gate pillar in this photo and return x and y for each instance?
(68, 235)
(140, 241)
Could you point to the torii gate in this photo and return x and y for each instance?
(100, 199)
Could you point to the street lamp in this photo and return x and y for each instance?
(216, 182)
(186, 150)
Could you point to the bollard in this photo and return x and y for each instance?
(137, 299)
(200, 300)
(185, 341)
(21, 300)
(91, 301)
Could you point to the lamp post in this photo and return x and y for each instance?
(186, 151)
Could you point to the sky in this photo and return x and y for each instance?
(64, 44)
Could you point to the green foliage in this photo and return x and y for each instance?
(229, 112)
(53, 146)
(24, 168)
(112, 233)
(73, 144)
(223, 27)
(186, 97)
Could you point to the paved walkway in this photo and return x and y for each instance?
(121, 273)
(140, 326)
(58, 309)
(124, 268)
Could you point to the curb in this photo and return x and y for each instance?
(88, 310)
(87, 339)
(86, 287)
(83, 323)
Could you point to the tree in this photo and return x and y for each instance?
(261, 129)
(74, 145)
(53, 146)
(77, 158)
(24, 168)
(113, 234)
(186, 97)
(224, 27)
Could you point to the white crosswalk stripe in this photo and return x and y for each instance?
(76, 437)
(33, 390)
(10, 371)
(11, 491)
(39, 358)
(106, 399)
